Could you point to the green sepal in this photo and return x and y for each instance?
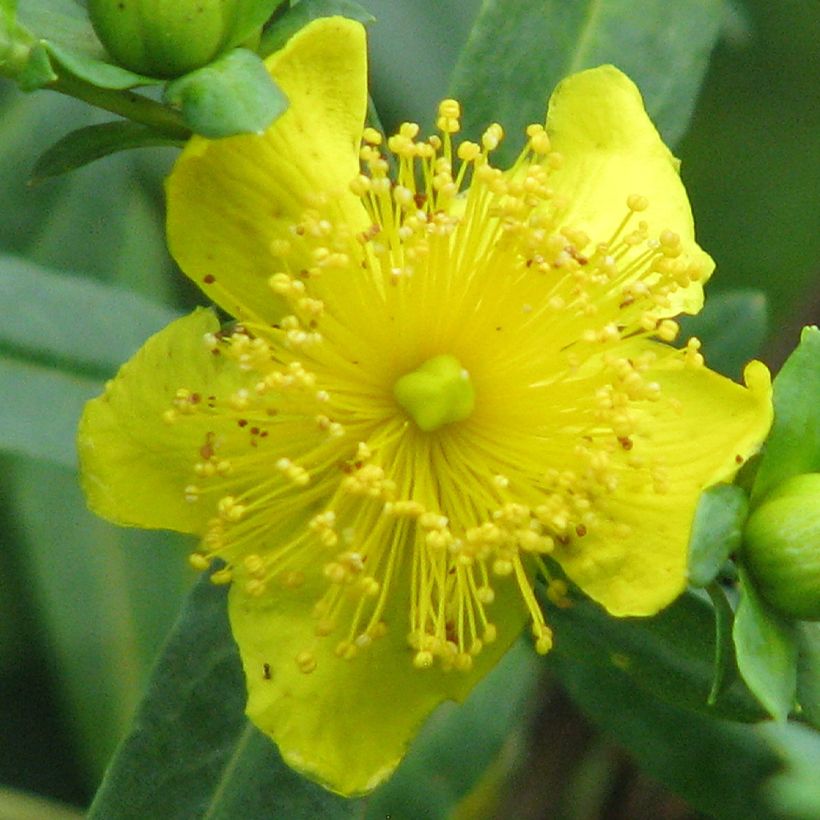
(62, 28)
(298, 16)
(233, 95)
(96, 71)
(766, 651)
(38, 70)
(716, 531)
(85, 145)
(793, 447)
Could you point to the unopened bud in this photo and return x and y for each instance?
(164, 38)
(782, 547)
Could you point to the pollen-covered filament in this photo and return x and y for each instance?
(460, 383)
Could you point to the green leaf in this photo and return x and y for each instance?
(84, 145)
(249, 17)
(40, 410)
(191, 751)
(766, 650)
(441, 767)
(233, 95)
(104, 597)
(670, 656)
(68, 320)
(732, 326)
(795, 791)
(716, 531)
(725, 664)
(519, 50)
(298, 16)
(808, 671)
(793, 446)
(104, 220)
(716, 765)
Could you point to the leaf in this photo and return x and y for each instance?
(716, 765)
(460, 742)
(795, 791)
(40, 410)
(298, 16)
(519, 50)
(103, 595)
(84, 145)
(669, 656)
(793, 446)
(68, 320)
(191, 752)
(725, 664)
(808, 671)
(104, 220)
(249, 17)
(233, 95)
(766, 651)
(732, 326)
(716, 531)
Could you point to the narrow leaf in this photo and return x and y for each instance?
(298, 16)
(716, 531)
(40, 410)
(84, 145)
(519, 50)
(191, 752)
(808, 671)
(249, 17)
(725, 666)
(766, 650)
(670, 656)
(795, 791)
(78, 323)
(732, 326)
(718, 766)
(793, 447)
(105, 596)
(233, 95)
(442, 766)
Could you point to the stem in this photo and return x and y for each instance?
(125, 103)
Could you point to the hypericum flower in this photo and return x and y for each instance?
(445, 378)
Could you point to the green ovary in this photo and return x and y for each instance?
(438, 392)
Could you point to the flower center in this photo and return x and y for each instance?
(438, 392)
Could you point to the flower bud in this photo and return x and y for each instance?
(782, 547)
(163, 38)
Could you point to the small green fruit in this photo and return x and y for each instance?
(782, 547)
(163, 38)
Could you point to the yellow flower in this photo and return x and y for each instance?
(443, 379)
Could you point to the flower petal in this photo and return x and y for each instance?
(347, 723)
(229, 199)
(611, 150)
(718, 426)
(134, 464)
